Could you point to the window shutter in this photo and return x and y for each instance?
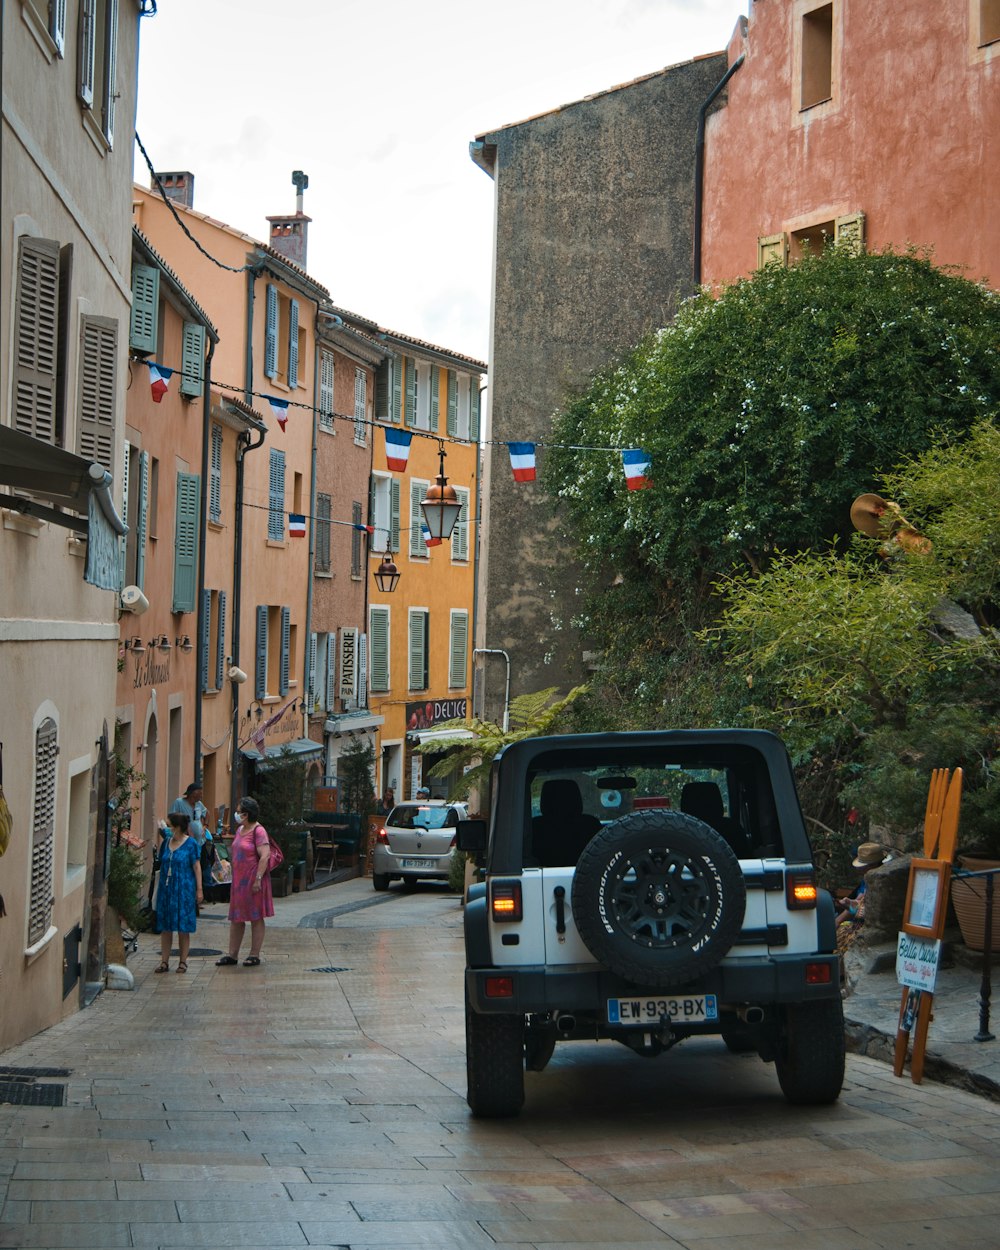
(435, 396)
(418, 492)
(323, 504)
(326, 390)
(206, 616)
(313, 650)
(361, 698)
(395, 391)
(348, 663)
(276, 496)
(286, 638)
(193, 359)
(98, 381)
(379, 630)
(36, 339)
(124, 512)
(186, 542)
(360, 406)
(110, 93)
(142, 520)
(88, 37)
(382, 386)
(474, 398)
(293, 342)
(215, 476)
(417, 676)
(260, 662)
(330, 701)
(410, 416)
(271, 332)
(43, 818)
(220, 643)
(460, 534)
(452, 404)
(356, 538)
(458, 650)
(849, 232)
(57, 24)
(145, 308)
(394, 514)
(772, 247)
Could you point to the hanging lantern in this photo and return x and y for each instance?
(387, 575)
(441, 505)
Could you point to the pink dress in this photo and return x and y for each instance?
(244, 903)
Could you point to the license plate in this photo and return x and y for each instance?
(417, 863)
(695, 1010)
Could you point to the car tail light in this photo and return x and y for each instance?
(381, 836)
(505, 900)
(499, 987)
(819, 974)
(453, 843)
(800, 889)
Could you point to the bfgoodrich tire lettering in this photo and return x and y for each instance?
(658, 897)
(810, 1056)
(494, 1063)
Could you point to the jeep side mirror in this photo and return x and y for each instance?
(472, 836)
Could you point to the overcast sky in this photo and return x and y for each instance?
(377, 103)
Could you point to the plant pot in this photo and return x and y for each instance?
(968, 897)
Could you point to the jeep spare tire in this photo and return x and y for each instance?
(658, 897)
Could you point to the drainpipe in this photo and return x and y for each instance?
(312, 544)
(202, 628)
(477, 548)
(699, 163)
(506, 693)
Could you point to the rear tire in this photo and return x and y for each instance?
(380, 880)
(494, 1063)
(811, 1053)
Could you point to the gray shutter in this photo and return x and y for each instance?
(36, 339)
(379, 629)
(460, 534)
(395, 391)
(215, 476)
(98, 389)
(220, 643)
(410, 416)
(435, 405)
(356, 539)
(142, 520)
(417, 676)
(293, 342)
(382, 391)
(286, 638)
(452, 404)
(418, 492)
(323, 508)
(260, 660)
(313, 650)
(88, 47)
(458, 650)
(193, 359)
(110, 92)
(326, 379)
(361, 699)
(474, 400)
(206, 616)
(186, 542)
(43, 819)
(394, 514)
(331, 672)
(271, 332)
(276, 496)
(124, 512)
(145, 308)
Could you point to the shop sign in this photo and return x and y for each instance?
(435, 712)
(917, 961)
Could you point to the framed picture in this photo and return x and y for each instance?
(926, 897)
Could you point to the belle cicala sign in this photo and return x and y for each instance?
(435, 712)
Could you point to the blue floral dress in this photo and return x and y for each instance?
(175, 898)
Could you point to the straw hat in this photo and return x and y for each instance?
(871, 855)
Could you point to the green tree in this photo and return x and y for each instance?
(357, 772)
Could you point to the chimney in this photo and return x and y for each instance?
(290, 235)
(178, 186)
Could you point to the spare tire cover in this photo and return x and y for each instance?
(658, 897)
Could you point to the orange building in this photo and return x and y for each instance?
(869, 123)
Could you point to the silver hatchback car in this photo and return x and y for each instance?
(416, 840)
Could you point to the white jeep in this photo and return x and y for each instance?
(647, 887)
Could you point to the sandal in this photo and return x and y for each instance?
(182, 966)
(251, 961)
(164, 967)
(227, 961)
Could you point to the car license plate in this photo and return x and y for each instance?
(417, 863)
(698, 1009)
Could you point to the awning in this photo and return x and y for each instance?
(435, 735)
(299, 751)
(351, 723)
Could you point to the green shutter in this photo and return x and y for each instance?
(458, 651)
(410, 416)
(145, 308)
(435, 396)
(142, 520)
(460, 534)
(417, 674)
(395, 391)
(394, 514)
(452, 404)
(193, 360)
(186, 542)
(379, 649)
(474, 398)
(293, 342)
(271, 332)
(206, 616)
(418, 492)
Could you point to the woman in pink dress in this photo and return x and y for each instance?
(250, 895)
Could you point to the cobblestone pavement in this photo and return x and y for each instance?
(319, 1101)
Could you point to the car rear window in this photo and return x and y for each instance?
(420, 817)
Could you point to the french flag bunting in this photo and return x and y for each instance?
(296, 525)
(636, 465)
(429, 540)
(522, 461)
(279, 407)
(159, 377)
(397, 449)
(365, 529)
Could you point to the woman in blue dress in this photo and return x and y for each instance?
(180, 890)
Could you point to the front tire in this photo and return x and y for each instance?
(494, 1063)
(811, 1053)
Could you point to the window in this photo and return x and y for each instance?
(458, 649)
(322, 533)
(213, 650)
(418, 548)
(385, 513)
(43, 830)
(460, 386)
(136, 507)
(389, 392)
(36, 340)
(326, 391)
(379, 633)
(421, 396)
(847, 231)
(186, 542)
(460, 534)
(410, 386)
(215, 476)
(989, 21)
(99, 62)
(273, 637)
(50, 16)
(360, 406)
(78, 824)
(276, 497)
(771, 248)
(357, 556)
(98, 389)
(322, 694)
(419, 648)
(193, 360)
(817, 56)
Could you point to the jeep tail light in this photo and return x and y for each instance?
(505, 900)
(499, 987)
(819, 974)
(800, 889)
(381, 836)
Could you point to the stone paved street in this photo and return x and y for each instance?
(319, 1101)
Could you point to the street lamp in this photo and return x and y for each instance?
(387, 575)
(441, 505)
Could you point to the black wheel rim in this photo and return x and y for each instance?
(661, 899)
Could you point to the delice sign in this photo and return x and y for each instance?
(917, 962)
(434, 712)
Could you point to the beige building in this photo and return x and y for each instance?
(69, 93)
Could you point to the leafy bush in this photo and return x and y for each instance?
(126, 883)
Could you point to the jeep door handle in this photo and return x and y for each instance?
(560, 896)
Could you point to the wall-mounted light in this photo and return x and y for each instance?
(441, 505)
(387, 575)
(162, 642)
(184, 643)
(135, 646)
